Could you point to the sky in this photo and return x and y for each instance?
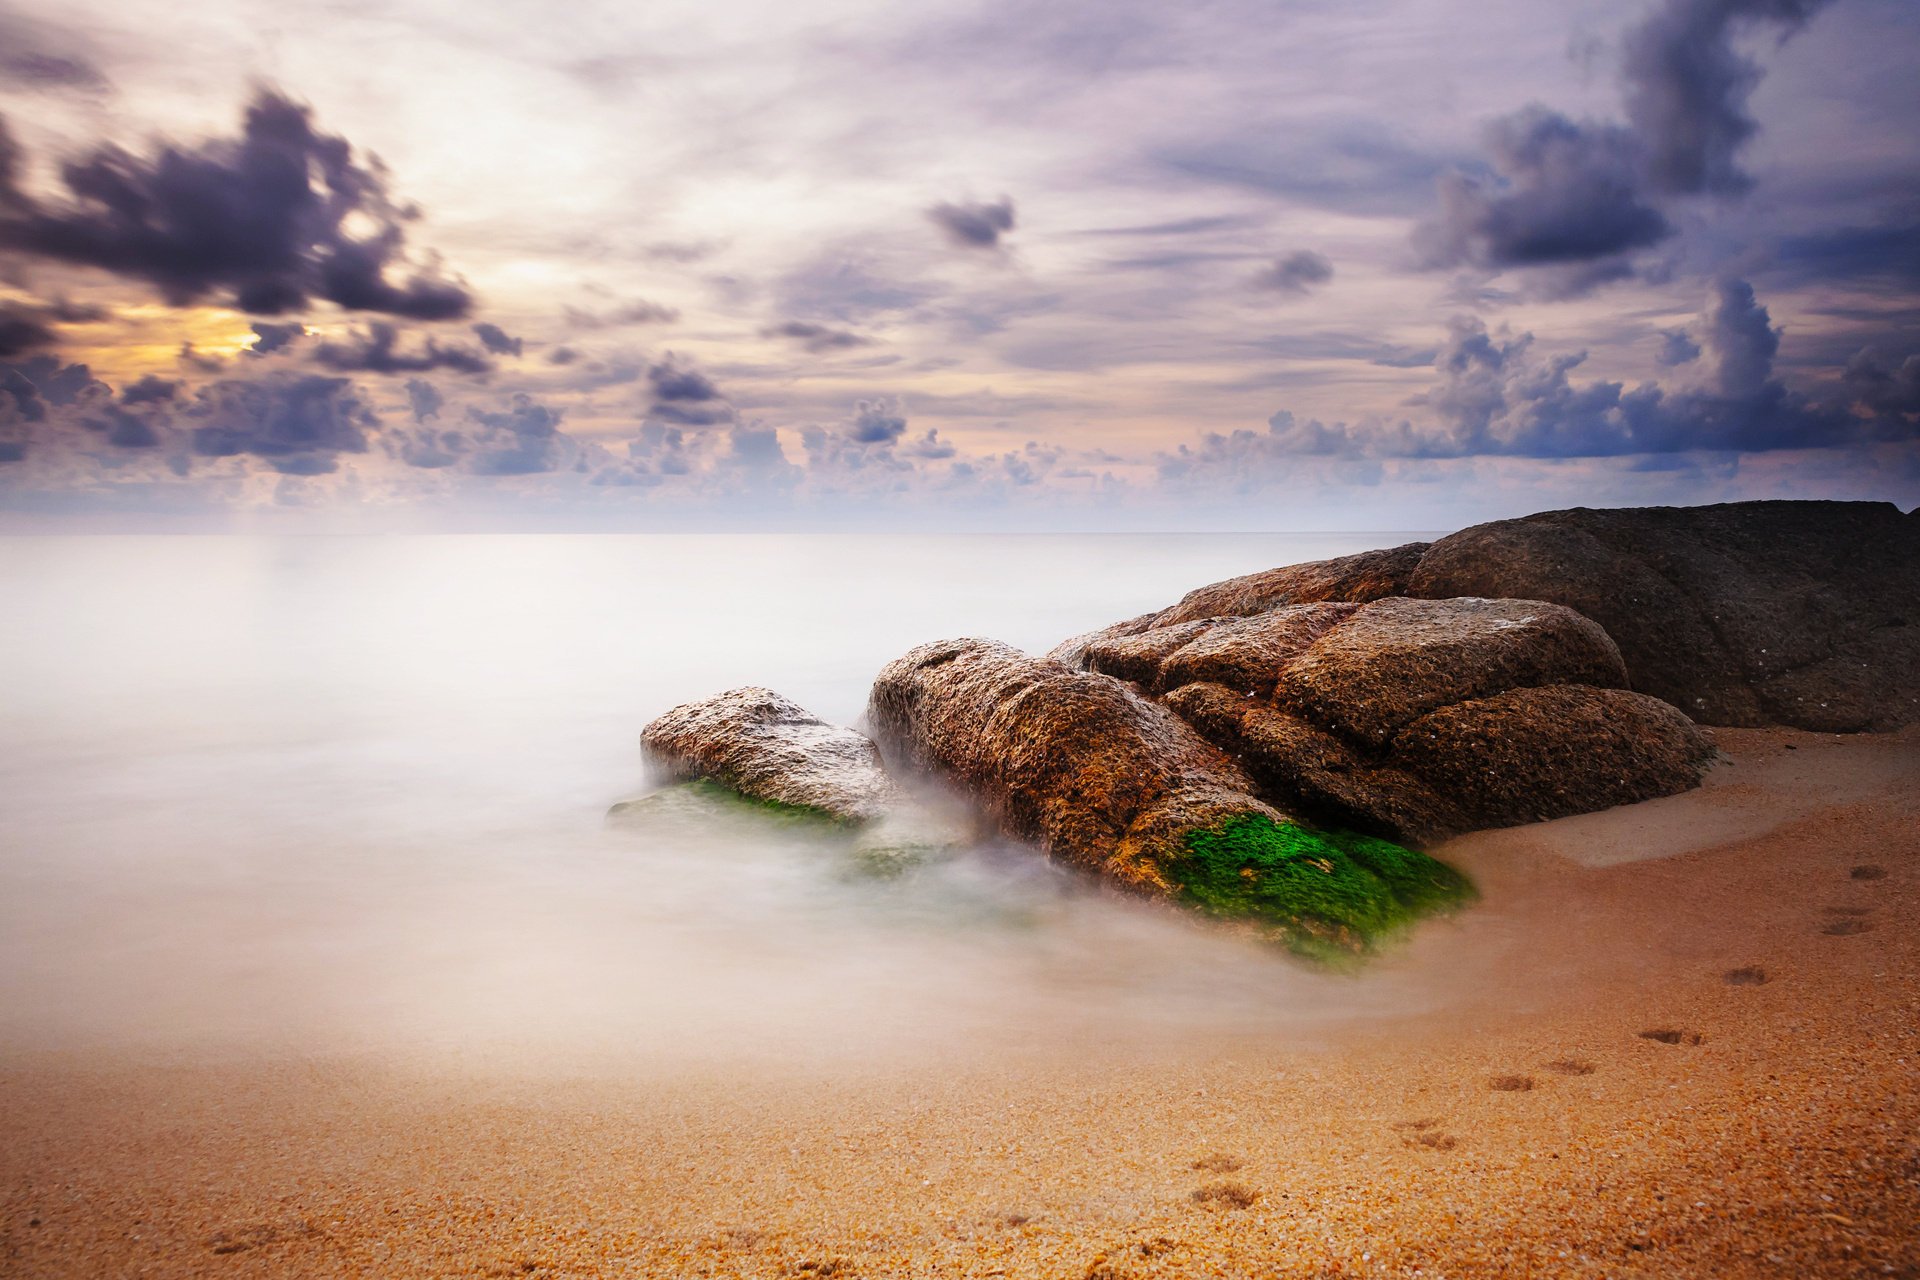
(1354, 264)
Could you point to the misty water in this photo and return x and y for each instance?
(338, 794)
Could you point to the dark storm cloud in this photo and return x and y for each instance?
(151, 389)
(1580, 197)
(1687, 88)
(1298, 272)
(21, 331)
(295, 424)
(58, 383)
(972, 224)
(1890, 253)
(1891, 392)
(496, 339)
(685, 396)
(122, 429)
(817, 338)
(261, 221)
(1565, 192)
(269, 337)
(376, 349)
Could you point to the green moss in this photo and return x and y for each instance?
(1329, 895)
(705, 796)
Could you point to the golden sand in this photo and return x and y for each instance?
(1694, 1053)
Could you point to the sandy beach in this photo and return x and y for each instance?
(1681, 1038)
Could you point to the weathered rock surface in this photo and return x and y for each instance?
(769, 748)
(1751, 613)
(1369, 575)
(1418, 719)
(1113, 782)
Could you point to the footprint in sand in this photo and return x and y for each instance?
(1571, 1067)
(1869, 871)
(1425, 1133)
(1847, 927)
(1225, 1195)
(1511, 1084)
(1751, 976)
(1667, 1035)
(1217, 1163)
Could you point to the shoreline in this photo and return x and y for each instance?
(1519, 1121)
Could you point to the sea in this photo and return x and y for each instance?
(345, 795)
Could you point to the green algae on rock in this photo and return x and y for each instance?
(1113, 782)
(1326, 894)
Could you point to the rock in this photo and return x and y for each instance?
(1418, 719)
(1750, 613)
(1370, 575)
(1107, 780)
(1530, 754)
(1394, 660)
(771, 749)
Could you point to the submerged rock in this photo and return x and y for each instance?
(1418, 719)
(1107, 780)
(769, 748)
(752, 754)
(1749, 613)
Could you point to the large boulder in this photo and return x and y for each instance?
(1110, 781)
(1751, 613)
(769, 748)
(1417, 719)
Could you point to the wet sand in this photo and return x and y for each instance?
(1694, 1052)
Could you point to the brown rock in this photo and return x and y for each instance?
(1094, 773)
(768, 747)
(1307, 767)
(1750, 613)
(1395, 660)
(1248, 654)
(1531, 754)
(1370, 575)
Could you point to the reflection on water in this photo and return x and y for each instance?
(347, 794)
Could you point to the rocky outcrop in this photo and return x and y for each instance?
(1417, 719)
(1113, 782)
(769, 748)
(1369, 575)
(1752, 613)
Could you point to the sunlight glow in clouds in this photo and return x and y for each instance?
(1077, 264)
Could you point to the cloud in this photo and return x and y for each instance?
(972, 224)
(495, 339)
(1578, 198)
(269, 338)
(1687, 88)
(877, 422)
(522, 440)
(151, 389)
(685, 396)
(817, 338)
(21, 331)
(424, 399)
(36, 56)
(269, 221)
(296, 424)
(1560, 192)
(1296, 273)
(376, 349)
(1497, 396)
(638, 311)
